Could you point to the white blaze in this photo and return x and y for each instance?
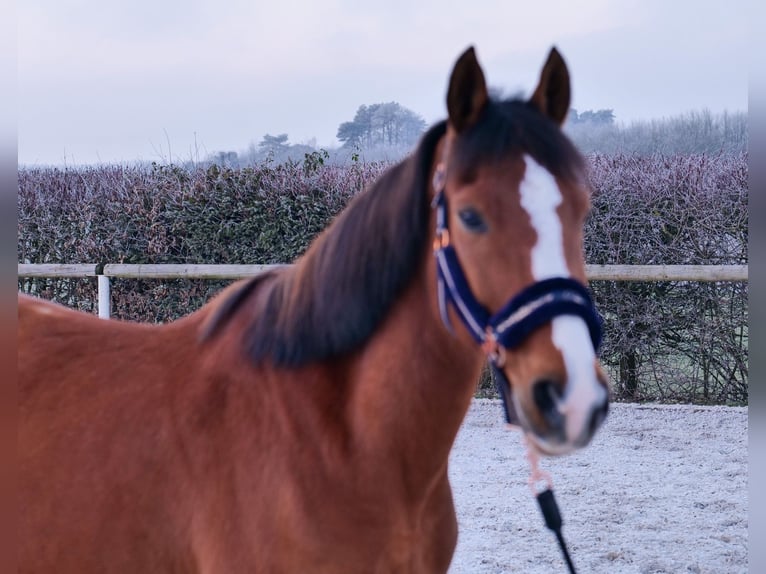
(540, 197)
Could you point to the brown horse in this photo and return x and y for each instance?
(302, 420)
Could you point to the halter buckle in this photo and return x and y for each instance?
(441, 241)
(440, 176)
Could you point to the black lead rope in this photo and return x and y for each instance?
(553, 521)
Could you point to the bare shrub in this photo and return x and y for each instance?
(672, 340)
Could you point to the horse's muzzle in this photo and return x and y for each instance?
(557, 420)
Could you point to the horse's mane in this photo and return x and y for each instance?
(334, 297)
(337, 293)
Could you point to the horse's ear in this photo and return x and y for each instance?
(553, 93)
(467, 95)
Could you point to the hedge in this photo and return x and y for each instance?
(672, 341)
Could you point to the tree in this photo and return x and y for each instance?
(273, 145)
(602, 117)
(383, 124)
(225, 159)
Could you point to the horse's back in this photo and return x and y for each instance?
(56, 344)
(96, 440)
(39, 316)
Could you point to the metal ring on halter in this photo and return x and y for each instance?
(495, 351)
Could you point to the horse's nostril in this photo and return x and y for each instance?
(547, 397)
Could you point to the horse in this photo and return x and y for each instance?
(302, 420)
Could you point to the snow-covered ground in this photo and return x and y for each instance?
(661, 489)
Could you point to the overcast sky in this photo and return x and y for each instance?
(160, 80)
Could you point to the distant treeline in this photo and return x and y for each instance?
(664, 341)
(695, 132)
(388, 132)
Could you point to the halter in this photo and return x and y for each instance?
(518, 318)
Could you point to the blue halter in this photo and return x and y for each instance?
(516, 320)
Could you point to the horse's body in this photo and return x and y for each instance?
(225, 464)
(302, 421)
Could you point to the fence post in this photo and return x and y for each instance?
(104, 297)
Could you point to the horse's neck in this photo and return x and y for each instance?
(416, 382)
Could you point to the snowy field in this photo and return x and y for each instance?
(662, 489)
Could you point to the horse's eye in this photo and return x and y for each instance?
(472, 220)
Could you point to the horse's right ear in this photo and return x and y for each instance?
(553, 93)
(467, 95)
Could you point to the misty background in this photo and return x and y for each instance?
(239, 81)
(219, 122)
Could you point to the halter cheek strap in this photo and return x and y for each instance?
(516, 320)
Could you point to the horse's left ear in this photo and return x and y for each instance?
(553, 93)
(467, 95)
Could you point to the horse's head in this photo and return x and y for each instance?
(511, 199)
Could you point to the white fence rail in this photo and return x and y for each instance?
(702, 273)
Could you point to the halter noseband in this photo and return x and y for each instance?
(532, 307)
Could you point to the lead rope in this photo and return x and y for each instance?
(546, 500)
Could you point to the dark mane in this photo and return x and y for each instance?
(516, 126)
(333, 298)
